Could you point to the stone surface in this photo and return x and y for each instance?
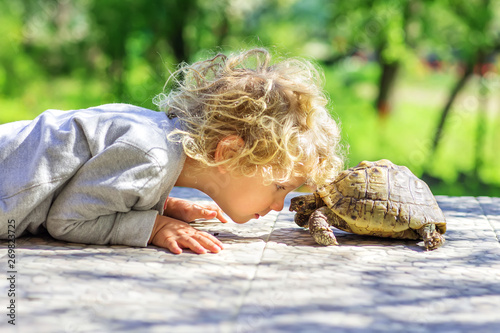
(271, 277)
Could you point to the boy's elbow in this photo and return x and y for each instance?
(58, 228)
(64, 229)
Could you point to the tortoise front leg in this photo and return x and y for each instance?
(432, 237)
(320, 228)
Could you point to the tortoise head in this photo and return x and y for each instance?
(304, 206)
(303, 203)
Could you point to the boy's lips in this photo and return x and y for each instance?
(257, 215)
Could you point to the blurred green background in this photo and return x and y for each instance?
(416, 81)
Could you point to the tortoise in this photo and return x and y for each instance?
(373, 198)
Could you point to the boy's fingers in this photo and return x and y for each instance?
(192, 244)
(200, 212)
(212, 210)
(172, 246)
(209, 214)
(207, 241)
(211, 246)
(208, 211)
(220, 214)
(210, 242)
(221, 217)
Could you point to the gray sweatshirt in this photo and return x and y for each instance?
(97, 176)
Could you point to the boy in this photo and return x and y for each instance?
(240, 129)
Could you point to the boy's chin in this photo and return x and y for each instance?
(241, 220)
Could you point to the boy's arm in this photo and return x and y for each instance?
(109, 199)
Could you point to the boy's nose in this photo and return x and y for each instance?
(278, 205)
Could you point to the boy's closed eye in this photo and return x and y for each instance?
(290, 186)
(280, 187)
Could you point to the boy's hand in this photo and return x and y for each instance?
(188, 211)
(175, 235)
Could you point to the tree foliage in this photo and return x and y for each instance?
(123, 50)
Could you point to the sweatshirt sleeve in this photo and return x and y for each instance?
(110, 199)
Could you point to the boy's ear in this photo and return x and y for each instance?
(228, 147)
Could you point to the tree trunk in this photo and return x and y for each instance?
(481, 115)
(444, 114)
(386, 84)
(178, 42)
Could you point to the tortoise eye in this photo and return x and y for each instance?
(301, 202)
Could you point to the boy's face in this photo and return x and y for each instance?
(244, 198)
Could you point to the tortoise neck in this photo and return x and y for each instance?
(319, 201)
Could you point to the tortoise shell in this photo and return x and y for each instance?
(383, 199)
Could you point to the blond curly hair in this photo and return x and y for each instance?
(278, 109)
